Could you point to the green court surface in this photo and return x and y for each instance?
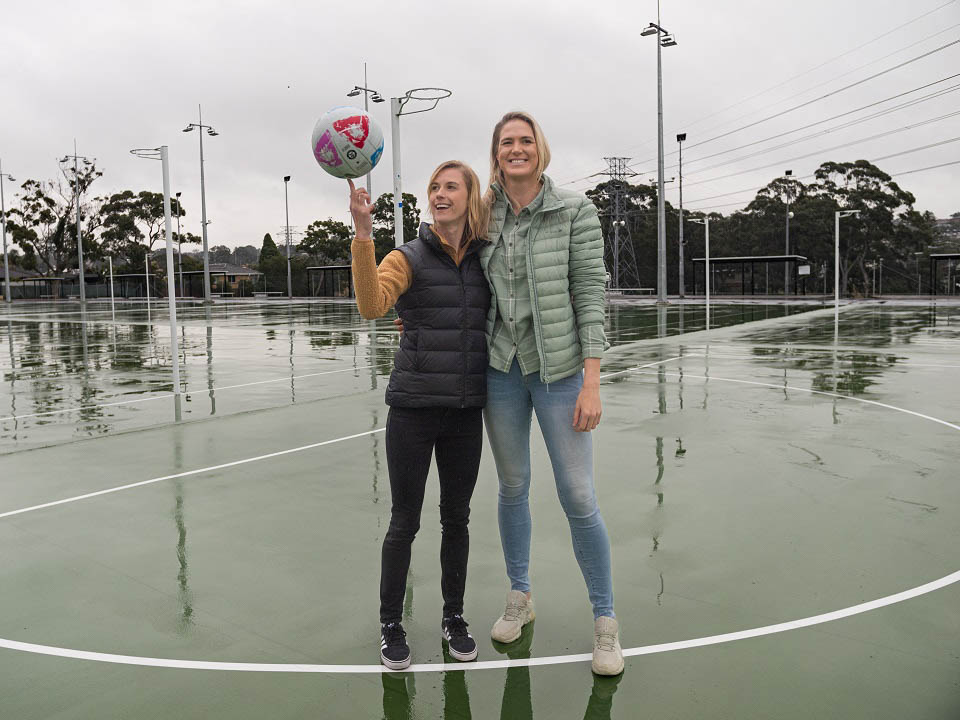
(781, 494)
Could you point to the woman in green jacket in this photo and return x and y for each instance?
(544, 264)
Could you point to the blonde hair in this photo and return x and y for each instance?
(478, 212)
(543, 149)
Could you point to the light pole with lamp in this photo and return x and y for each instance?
(286, 203)
(203, 200)
(680, 138)
(368, 95)
(916, 257)
(836, 262)
(705, 221)
(664, 39)
(786, 249)
(397, 104)
(179, 248)
(3, 220)
(76, 178)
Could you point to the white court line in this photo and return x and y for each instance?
(245, 460)
(184, 392)
(492, 664)
(814, 392)
(188, 473)
(485, 664)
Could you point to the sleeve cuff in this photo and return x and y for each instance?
(592, 341)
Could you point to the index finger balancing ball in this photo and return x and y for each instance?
(346, 142)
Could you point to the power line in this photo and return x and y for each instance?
(822, 97)
(910, 103)
(852, 142)
(826, 150)
(849, 72)
(806, 72)
(826, 62)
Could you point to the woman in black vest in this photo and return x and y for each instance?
(436, 390)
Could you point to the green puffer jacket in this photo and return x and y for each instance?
(566, 277)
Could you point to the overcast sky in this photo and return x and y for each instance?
(119, 75)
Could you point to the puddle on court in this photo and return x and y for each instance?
(70, 374)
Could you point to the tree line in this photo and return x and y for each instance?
(127, 225)
(889, 227)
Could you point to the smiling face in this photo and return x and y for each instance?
(448, 195)
(517, 151)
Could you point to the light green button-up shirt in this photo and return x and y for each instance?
(513, 331)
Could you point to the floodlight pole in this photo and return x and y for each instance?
(286, 203)
(179, 247)
(203, 200)
(786, 247)
(706, 227)
(113, 309)
(664, 39)
(661, 212)
(836, 261)
(76, 179)
(367, 92)
(680, 138)
(3, 220)
(705, 221)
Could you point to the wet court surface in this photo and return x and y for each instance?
(751, 477)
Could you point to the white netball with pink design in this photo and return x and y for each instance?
(346, 142)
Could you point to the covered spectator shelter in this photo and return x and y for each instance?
(950, 281)
(331, 281)
(750, 274)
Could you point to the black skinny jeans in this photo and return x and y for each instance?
(413, 434)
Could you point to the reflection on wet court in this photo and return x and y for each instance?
(771, 470)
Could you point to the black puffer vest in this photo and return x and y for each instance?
(442, 360)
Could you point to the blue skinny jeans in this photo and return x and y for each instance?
(511, 399)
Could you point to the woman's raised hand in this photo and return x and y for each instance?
(361, 208)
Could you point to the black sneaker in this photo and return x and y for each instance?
(394, 651)
(461, 644)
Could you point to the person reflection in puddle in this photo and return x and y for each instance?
(517, 702)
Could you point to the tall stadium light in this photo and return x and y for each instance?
(162, 154)
(836, 261)
(397, 109)
(3, 221)
(76, 177)
(203, 200)
(664, 39)
(787, 175)
(286, 204)
(680, 138)
(705, 221)
(179, 247)
(368, 94)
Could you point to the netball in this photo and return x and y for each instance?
(347, 142)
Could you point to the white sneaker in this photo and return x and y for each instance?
(607, 655)
(519, 612)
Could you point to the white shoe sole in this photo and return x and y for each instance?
(462, 657)
(395, 664)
